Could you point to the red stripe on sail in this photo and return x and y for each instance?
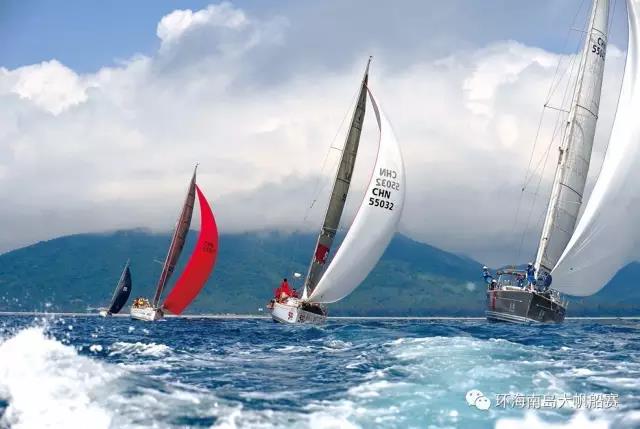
(200, 264)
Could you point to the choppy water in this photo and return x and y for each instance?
(68, 372)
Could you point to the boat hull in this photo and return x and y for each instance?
(148, 314)
(105, 313)
(291, 312)
(521, 306)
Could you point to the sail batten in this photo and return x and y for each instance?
(339, 192)
(178, 240)
(575, 151)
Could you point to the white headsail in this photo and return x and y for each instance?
(577, 144)
(600, 245)
(375, 223)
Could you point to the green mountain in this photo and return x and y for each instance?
(79, 272)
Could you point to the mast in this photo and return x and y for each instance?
(577, 143)
(178, 239)
(339, 191)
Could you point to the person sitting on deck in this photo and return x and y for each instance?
(486, 275)
(531, 276)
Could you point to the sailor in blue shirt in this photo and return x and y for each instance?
(486, 275)
(531, 274)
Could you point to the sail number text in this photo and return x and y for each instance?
(384, 185)
(599, 48)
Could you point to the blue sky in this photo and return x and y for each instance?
(125, 96)
(87, 35)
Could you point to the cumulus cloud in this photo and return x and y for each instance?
(48, 85)
(115, 148)
(172, 26)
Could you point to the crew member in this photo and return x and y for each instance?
(486, 275)
(284, 291)
(531, 275)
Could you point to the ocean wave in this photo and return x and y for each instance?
(233, 374)
(533, 421)
(48, 385)
(138, 348)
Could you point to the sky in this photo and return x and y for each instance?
(105, 107)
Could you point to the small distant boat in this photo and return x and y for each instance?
(121, 294)
(371, 231)
(198, 268)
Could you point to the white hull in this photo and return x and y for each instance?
(147, 314)
(291, 312)
(105, 313)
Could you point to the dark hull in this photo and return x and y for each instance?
(518, 306)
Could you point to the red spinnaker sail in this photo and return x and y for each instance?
(200, 264)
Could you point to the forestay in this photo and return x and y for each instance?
(375, 223)
(604, 238)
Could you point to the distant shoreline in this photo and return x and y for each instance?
(256, 316)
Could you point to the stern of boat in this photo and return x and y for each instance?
(147, 314)
(523, 306)
(291, 312)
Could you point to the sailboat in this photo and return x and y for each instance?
(370, 233)
(563, 238)
(198, 268)
(120, 295)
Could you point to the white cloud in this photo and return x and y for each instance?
(49, 85)
(173, 25)
(121, 149)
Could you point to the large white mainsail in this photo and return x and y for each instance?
(599, 247)
(577, 144)
(375, 223)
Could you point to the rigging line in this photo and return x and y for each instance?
(535, 197)
(562, 113)
(528, 173)
(555, 83)
(552, 89)
(557, 128)
(318, 189)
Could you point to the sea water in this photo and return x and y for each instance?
(91, 372)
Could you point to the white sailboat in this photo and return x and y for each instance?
(568, 256)
(370, 233)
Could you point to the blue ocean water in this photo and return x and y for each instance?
(90, 372)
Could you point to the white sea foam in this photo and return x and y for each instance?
(138, 348)
(48, 385)
(532, 421)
